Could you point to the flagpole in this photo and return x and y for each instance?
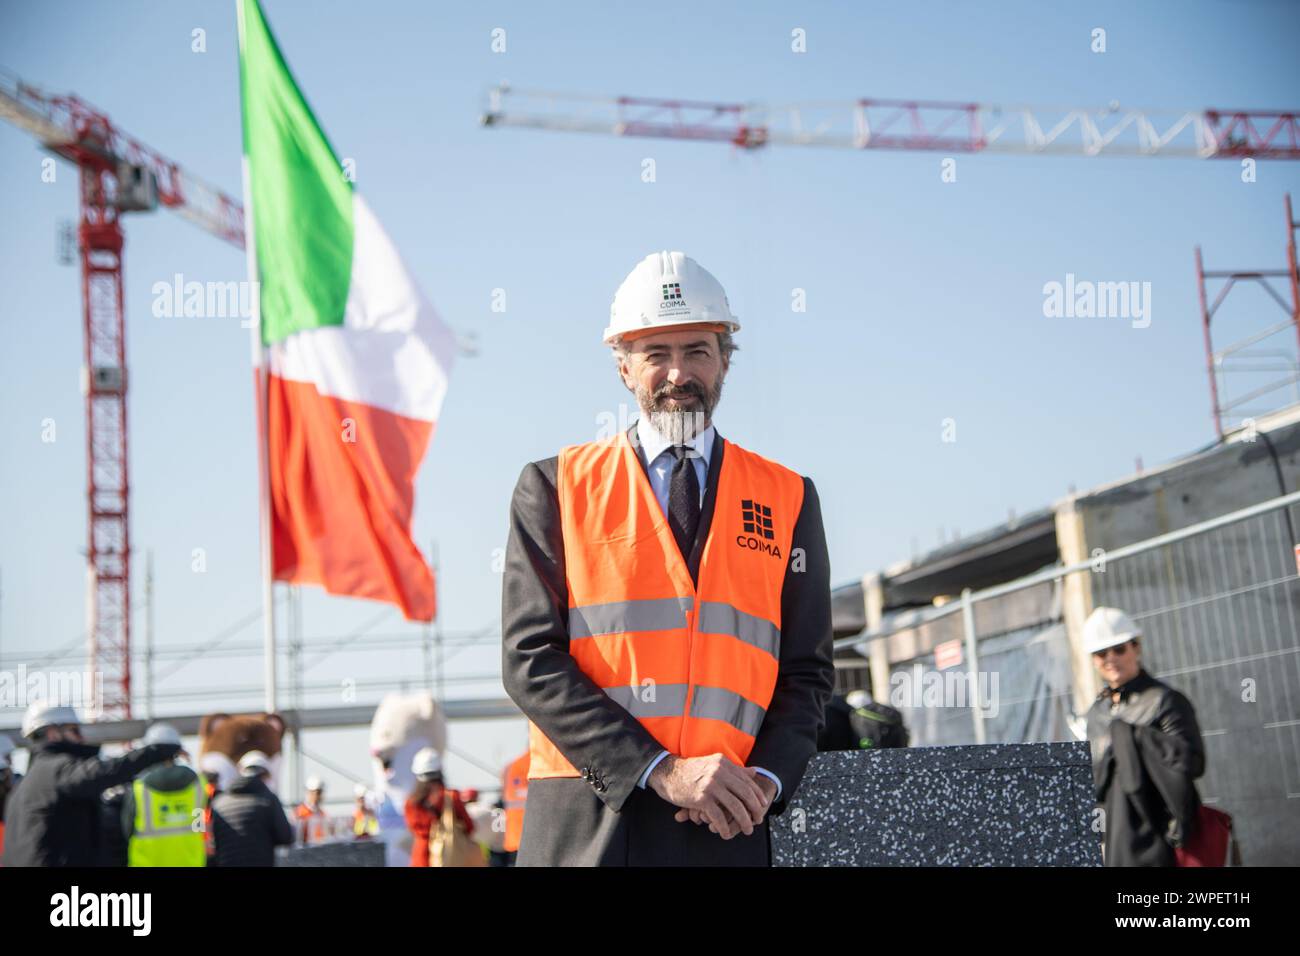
(261, 387)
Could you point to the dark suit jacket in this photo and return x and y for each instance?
(607, 819)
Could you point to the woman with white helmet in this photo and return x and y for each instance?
(1146, 749)
(424, 806)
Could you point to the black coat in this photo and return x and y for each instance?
(248, 823)
(567, 820)
(113, 846)
(1146, 753)
(54, 817)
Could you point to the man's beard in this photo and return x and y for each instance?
(679, 425)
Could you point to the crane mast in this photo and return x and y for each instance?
(117, 174)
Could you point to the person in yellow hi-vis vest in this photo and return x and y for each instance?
(365, 825)
(163, 814)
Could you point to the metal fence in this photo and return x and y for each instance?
(1219, 605)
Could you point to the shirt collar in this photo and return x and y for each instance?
(1140, 681)
(654, 444)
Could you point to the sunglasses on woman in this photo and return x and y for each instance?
(1119, 650)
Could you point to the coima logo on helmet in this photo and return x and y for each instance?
(756, 522)
(672, 302)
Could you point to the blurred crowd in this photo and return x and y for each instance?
(154, 806)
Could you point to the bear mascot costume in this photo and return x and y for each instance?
(403, 724)
(224, 738)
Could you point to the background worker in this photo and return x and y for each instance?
(210, 770)
(164, 810)
(425, 804)
(666, 610)
(310, 814)
(248, 822)
(514, 794)
(53, 818)
(8, 780)
(365, 825)
(1146, 749)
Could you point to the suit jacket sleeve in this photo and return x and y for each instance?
(788, 738)
(538, 672)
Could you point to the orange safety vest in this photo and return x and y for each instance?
(311, 823)
(695, 665)
(210, 789)
(514, 793)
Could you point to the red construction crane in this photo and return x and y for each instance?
(118, 175)
(913, 125)
(1254, 368)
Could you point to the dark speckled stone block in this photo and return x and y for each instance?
(991, 805)
(342, 853)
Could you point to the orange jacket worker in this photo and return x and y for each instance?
(666, 610)
(514, 793)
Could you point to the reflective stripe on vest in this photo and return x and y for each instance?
(165, 833)
(665, 614)
(696, 665)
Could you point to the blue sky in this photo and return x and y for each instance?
(924, 298)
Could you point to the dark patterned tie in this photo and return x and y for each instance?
(683, 500)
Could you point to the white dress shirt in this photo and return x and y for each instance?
(659, 460)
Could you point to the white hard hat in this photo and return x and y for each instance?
(667, 289)
(254, 762)
(359, 791)
(41, 715)
(1106, 627)
(314, 783)
(427, 761)
(162, 734)
(857, 698)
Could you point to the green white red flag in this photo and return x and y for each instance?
(356, 360)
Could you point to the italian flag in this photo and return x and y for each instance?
(353, 359)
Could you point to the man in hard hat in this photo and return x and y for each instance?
(1146, 749)
(365, 825)
(310, 814)
(248, 822)
(54, 818)
(164, 811)
(666, 610)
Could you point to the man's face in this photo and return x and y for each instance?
(677, 378)
(64, 732)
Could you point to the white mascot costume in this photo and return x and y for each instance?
(402, 725)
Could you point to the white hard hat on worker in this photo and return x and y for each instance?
(427, 763)
(41, 715)
(667, 291)
(1108, 627)
(162, 734)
